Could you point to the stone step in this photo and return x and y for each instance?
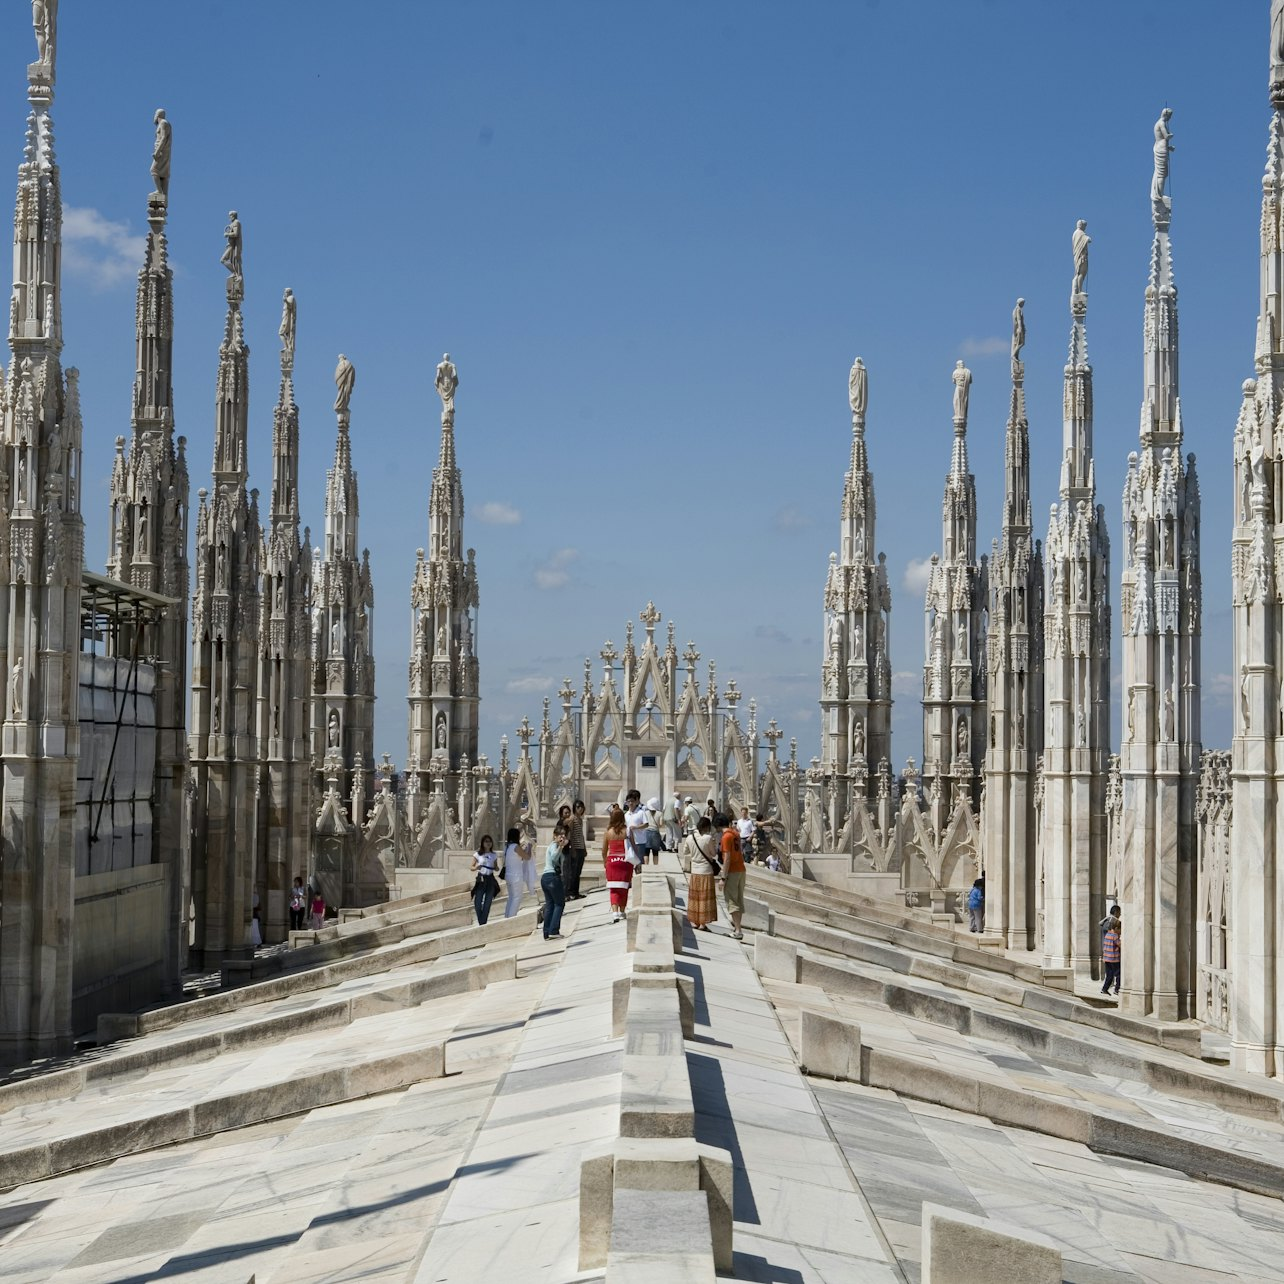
(433, 944)
(974, 971)
(268, 1023)
(1028, 1030)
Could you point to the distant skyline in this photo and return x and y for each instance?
(653, 239)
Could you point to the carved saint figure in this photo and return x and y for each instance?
(1169, 716)
(1163, 145)
(439, 739)
(15, 691)
(44, 16)
(1132, 715)
(1245, 716)
(161, 152)
(962, 377)
(1018, 331)
(217, 720)
(1277, 42)
(447, 381)
(1079, 243)
(231, 258)
(345, 379)
(858, 389)
(858, 739)
(835, 634)
(332, 730)
(289, 320)
(961, 737)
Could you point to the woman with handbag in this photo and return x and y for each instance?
(485, 885)
(619, 869)
(701, 863)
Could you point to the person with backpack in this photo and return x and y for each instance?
(976, 907)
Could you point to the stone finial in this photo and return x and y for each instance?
(650, 617)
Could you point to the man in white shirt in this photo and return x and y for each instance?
(745, 827)
(635, 826)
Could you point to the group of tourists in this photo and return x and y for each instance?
(712, 849)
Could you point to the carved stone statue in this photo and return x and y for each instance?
(858, 389)
(858, 739)
(961, 737)
(1169, 716)
(1079, 243)
(962, 386)
(232, 254)
(345, 378)
(44, 16)
(1018, 332)
(332, 730)
(161, 153)
(15, 691)
(447, 381)
(289, 320)
(835, 634)
(1163, 145)
(1277, 50)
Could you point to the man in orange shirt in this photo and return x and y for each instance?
(733, 875)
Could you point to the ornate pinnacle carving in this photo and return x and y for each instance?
(289, 318)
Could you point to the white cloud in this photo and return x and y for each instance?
(555, 573)
(790, 518)
(1220, 688)
(97, 250)
(917, 574)
(905, 683)
(496, 513)
(770, 633)
(536, 684)
(992, 346)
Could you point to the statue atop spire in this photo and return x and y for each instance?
(231, 258)
(161, 154)
(1018, 337)
(962, 377)
(1079, 242)
(858, 391)
(345, 379)
(1277, 54)
(447, 381)
(1161, 203)
(287, 330)
(44, 16)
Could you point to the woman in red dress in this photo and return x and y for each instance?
(619, 871)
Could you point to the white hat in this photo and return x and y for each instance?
(653, 804)
(689, 798)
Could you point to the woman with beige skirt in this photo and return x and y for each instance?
(700, 861)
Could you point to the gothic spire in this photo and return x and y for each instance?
(1016, 454)
(233, 393)
(1077, 466)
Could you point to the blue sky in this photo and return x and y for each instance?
(653, 238)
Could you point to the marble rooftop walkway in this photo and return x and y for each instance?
(475, 1176)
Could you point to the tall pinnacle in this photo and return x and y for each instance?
(1016, 461)
(1160, 411)
(232, 423)
(1077, 470)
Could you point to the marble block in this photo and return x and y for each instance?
(685, 986)
(959, 1248)
(655, 1097)
(829, 1046)
(775, 960)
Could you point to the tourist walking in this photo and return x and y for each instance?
(298, 904)
(519, 871)
(672, 833)
(619, 869)
(733, 876)
(700, 861)
(745, 828)
(1111, 953)
(976, 907)
(576, 852)
(635, 827)
(690, 815)
(551, 884)
(318, 909)
(485, 885)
